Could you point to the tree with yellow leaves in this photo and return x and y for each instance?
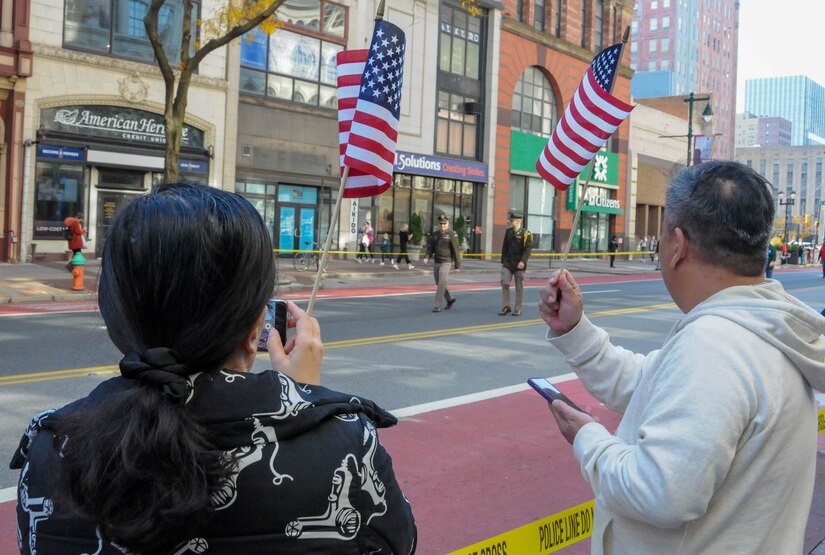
(232, 20)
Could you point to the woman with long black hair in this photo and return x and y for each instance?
(188, 451)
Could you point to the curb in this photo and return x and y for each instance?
(57, 297)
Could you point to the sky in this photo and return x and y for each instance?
(778, 39)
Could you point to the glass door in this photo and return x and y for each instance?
(286, 236)
(306, 231)
(108, 205)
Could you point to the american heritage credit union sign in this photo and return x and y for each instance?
(115, 122)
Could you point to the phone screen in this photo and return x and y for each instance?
(275, 319)
(550, 392)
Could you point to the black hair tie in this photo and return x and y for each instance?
(160, 366)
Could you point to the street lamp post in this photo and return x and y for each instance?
(707, 114)
(787, 204)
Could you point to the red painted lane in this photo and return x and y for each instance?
(474, 471)
(8, 528)
(478, 470)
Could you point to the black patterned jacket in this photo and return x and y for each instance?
(311, 476)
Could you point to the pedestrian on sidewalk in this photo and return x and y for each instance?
(180, 450)
(367, 236)
(643, 248)
(716, 451)
(403, 243)
(658, 260)
(443, 248)
(515, 251)
(386, 248)
(74, 236)
(822, 259)
(613, 247)
(772, 262)
(652, 247)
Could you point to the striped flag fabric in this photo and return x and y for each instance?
(590, 118)
(369, 102)
(350, 65)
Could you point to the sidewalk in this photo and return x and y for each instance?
(49, 281)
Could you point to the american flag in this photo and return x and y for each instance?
(369, 102)
(591, 117)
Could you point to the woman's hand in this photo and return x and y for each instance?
(301, 357)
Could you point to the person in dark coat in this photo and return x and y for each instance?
(187, 451)
(443, 248)
(515, 250)
(403, 243)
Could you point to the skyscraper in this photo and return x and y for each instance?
(797, 99)
(683, 46)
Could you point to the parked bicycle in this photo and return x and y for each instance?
(304, 259)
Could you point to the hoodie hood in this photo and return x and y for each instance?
(776, 317)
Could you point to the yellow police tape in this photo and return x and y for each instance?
(547, 535)
(491, 255)
(554, 532)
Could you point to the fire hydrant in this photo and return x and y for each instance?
(78, 271)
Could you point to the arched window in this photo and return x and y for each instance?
(534, 105)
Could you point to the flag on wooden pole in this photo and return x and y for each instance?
(369, 104)
(591, 117)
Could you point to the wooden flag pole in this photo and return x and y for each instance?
(590, 167)
(580, 203)
(322, 265)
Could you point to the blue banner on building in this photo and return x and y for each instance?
(437, 166)
(61, 153)
(193, 166)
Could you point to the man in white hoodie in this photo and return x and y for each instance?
(716, 449)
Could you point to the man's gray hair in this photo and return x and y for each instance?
(725, 209)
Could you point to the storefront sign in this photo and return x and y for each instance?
(437, 166)
(115, 122)
(193, 166)
(599, 199)
(353, 219)
(61, 153)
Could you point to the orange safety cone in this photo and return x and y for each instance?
(78, 272)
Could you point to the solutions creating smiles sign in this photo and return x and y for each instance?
(437, 166)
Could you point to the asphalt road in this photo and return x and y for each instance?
(388, 347)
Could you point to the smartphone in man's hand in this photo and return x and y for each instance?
(550, 392)
(275, 319)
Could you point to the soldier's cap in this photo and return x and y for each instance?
(516, 216)
(443, 218)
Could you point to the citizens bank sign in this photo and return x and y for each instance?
(115, 122)
(437, 166)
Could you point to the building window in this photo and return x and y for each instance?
(520, 11)
(666, 23)
(457, 125)
(654, 4)
(651, 46)
(789, 173)
(538, 15)
(460, 48)
(666, 45)
(654, 24)
(319, 16)
(584, 23)
(59, 193)
(598, 26)
(115, 27)
(536, 198)
(534, 105)
(557, 18)
(293, 66)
